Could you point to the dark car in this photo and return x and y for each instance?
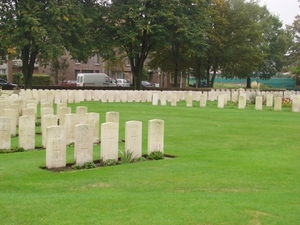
(5, 85)
(68, 83)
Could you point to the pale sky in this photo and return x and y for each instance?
(286, 10)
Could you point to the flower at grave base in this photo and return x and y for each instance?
(287, 102)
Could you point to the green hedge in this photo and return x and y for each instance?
(3, 76)
(37, 79)
(40, 80)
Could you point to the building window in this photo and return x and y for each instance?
(127, 62)
(76, 73)
(97, 59)
(77, 61)
(2, 71)
(87, 71)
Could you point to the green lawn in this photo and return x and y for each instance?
(232, 167)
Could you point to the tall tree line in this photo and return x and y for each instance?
(237, 37)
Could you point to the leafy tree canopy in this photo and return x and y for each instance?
(43, 30)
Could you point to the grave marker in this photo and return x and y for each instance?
(5, 136)
(27, 132)
(155, 136)
(109, 141)
(83, 148)
(133, 138)
(56, 147)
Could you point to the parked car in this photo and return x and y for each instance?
(68, 83)
(5, 85)
(122, 83)
(146, 84)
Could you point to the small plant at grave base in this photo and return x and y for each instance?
(287, 102)
(126, 156)
(252, 99)
(18, 149)
(76, 167)
(38, 124)
(140, 159)
(110, 162)
(89, 165)
(156, 155)
(71, 144)
(5, 151)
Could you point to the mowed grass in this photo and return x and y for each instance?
(232, 167)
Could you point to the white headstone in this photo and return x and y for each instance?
(34, 106)
(155, 135)
(11, 114)
(111, 96)
(58, 108)
(174, 99)
(62, 115)
(296, 104)
(104, 96)
(88, 95)
(221, 101)
(130, 96)
(83, 148)
(133, 138)
(137, 96)
(27, 132)
(189, 99)
(117, 96)
(277, 103)
(109, 141)
(81, 111)
(269, 101)
(77, 96)
(47, 120)
(163, 99)
(56, 147)
(234, 96)
(29, 112)
(258, 103)
(5, 136)
(71, 121)
(57, 96)
(203, 100)
(155, 99)
(93, 119)
(124, 96)
(144, 96)
(242, 100)
(112, 117)
(16, 108)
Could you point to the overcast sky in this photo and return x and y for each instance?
(285, 9)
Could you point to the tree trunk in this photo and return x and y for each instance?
(209, 84)
(248, 82)
(28, 60)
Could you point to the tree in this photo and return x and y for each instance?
(187, 37)
(244, 35)
(41, 30)
(138, 27)
(58, 69)
(213, 56)
(275, 45)
(294, 51)
(134, 27)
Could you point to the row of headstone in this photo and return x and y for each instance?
(83, 146)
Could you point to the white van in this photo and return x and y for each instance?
(94, 79)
